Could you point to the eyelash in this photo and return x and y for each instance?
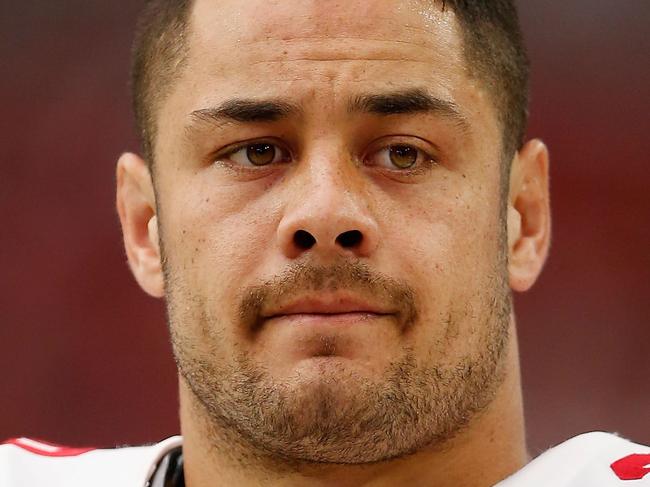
(424, 159)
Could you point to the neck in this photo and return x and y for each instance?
(488, 450)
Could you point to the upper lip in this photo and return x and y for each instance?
(326, 303)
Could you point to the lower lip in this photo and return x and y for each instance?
(322, 319)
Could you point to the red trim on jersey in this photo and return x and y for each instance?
(46, 449)
(632, 467)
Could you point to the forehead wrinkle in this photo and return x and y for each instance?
(345, 49)
(331, 39)
(336, 59)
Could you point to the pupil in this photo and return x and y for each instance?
(403, 156)
(260, 154)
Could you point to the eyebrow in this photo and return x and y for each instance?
(246, 110)
(417, 100)
(408, 101)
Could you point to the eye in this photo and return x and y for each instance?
(400, 156)
(256, 154)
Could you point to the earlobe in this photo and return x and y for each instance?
(136, 206)
(529, 218)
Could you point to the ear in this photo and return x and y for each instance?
(529, 215)
(136, 206)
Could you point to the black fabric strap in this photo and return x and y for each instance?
(169, 472)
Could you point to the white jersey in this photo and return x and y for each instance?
(589, 460)
(30, 463)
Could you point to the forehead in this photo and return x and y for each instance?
(280, 40)
(262, 20)
(320, 54)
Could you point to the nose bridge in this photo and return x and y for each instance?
(330, 186)
(328, 210)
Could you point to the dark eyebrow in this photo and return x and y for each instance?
(406, 101)
(246, 110)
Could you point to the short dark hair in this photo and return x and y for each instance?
(495, 52)
(159, 53)
(493, 46)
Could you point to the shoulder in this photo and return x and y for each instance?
(595, 459)
(26, 463)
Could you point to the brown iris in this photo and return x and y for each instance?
(403, 156)
(260, 154)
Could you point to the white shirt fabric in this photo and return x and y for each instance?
(586, 461)
(29, 463)
(583, 461)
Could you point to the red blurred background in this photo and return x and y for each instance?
(84, 353)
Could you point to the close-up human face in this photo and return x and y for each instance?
(330, 208)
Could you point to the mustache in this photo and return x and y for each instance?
(355, 277)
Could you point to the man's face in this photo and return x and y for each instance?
(329, 195)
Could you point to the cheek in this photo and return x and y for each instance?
(449, 231)
(215, 237)
(447, 247)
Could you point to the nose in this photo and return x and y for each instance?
(328, 215)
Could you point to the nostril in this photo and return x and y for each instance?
(350, 239)
(304, 240)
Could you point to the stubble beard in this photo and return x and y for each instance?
(340, 416)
